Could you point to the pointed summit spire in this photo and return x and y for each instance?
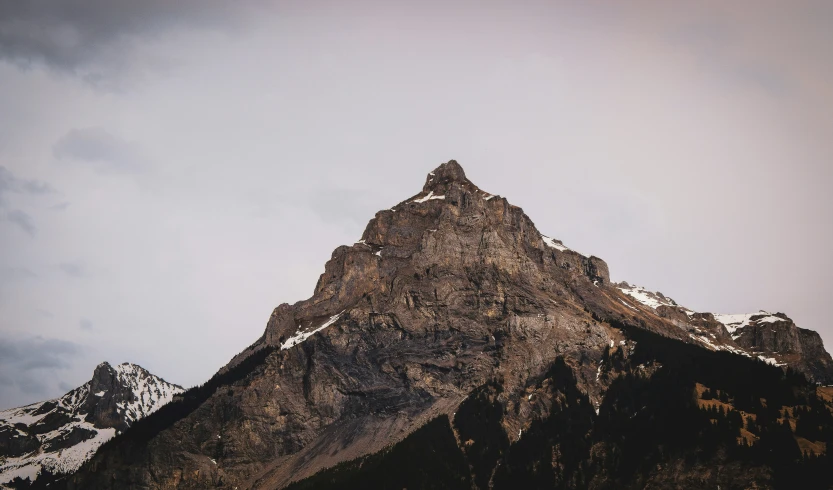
(446, 173)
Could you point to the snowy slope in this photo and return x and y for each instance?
(736, 322)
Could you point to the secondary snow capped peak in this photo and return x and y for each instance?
(59, 435)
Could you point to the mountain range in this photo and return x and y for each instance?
(456, 346)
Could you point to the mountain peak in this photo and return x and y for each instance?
(453, 303)
(445, 174)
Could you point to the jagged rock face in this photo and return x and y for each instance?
(777, 336)
(60, 435)
(815, 361)
(445, 292)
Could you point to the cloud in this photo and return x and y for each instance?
(61, 206)
(15, 273)
(31, 385)
(73, 269)
(106, 152)
(100, 40)
(85, 324)
(37, 352)
(22, 220)
(11, 184)
(25, 361)
(334, 206)
(717, 49)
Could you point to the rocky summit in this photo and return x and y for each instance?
(52, 438)
(456, 346)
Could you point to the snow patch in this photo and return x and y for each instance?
(704, 340)
(629, 306)
(302, 336)
(771, 361)
(428, 197)
(650, 299)
(647, 298)
(556, 244)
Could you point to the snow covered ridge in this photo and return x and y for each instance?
(59, 435)
(734, 323)
(738, 321)
(648, 298)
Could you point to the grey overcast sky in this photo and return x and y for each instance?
(172, 171)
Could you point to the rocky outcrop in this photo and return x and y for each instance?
(815, 362)
(778, 334)
(777, 337)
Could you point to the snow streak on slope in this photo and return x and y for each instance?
(556, 244)
(302, 336)
(428, 197)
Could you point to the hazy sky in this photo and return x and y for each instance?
(172, 171)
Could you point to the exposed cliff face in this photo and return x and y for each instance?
(58, 436)
(776, 336)
(446, 292)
